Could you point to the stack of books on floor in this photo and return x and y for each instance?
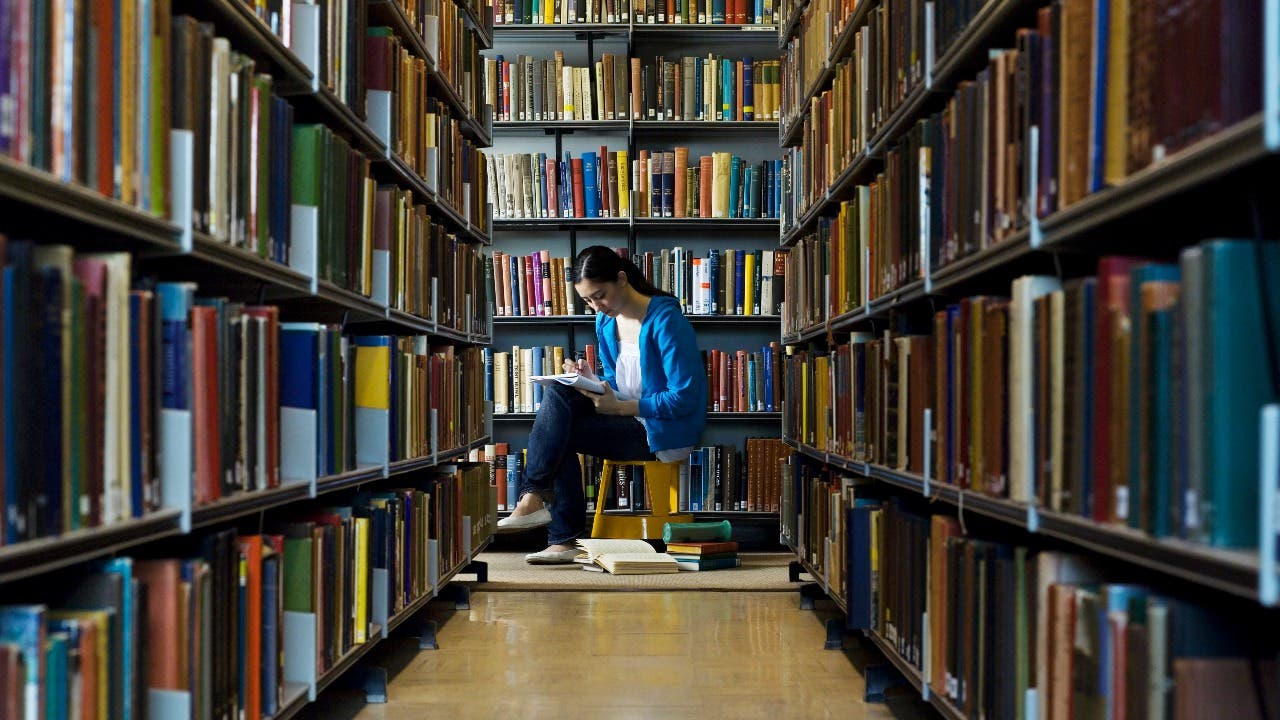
(705, 555)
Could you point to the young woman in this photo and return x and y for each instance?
(653, 406)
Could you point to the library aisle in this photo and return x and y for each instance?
(569, 655)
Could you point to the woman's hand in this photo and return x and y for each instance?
(582, 367)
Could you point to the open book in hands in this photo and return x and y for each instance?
(624, 557)
(572, 380)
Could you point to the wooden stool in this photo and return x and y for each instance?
(662, 482)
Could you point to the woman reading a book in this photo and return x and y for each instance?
(653, 405)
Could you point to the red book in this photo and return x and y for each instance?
(251, 659)
(163, 579)
(553, 200)
(603, 178)
(707, 170)
(205, 413)
(579, 203)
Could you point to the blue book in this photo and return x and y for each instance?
(565, 194)
(24, 626)
(753, 398)
(861, 585)
(488, 374)
(726, 91)
(766, 353)
(299, 365)
(717, 307)
(695, 481)
(48, 391)
(589, 194)
(176, 300)
(513, 475)
(700, 109)
(271, 601)
(539, 356)
(136, 380)
(748, 89)
(1098, 124)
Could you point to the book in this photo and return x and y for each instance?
(573, 380)
(625, 557)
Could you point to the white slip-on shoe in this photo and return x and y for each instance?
(552, 557)
(535, 519)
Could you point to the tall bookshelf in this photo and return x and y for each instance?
(243, 338)
(637, 232)
(1022, 389)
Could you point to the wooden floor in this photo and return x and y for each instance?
(567, 655)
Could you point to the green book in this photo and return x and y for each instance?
(297, 574)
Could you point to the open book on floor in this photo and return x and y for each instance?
(572, 380)
(624, 557)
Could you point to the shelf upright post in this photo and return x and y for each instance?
(1271, 74)
(1269, 504)
(930, 436)
(182, 185)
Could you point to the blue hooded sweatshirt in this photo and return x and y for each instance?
(673, 397)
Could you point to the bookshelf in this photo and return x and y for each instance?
(226, 443)
(1133, 514)
(638, 233)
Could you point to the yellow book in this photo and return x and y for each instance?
(1116, 150)
(749, 300)
(373, 371)
(624, 189)
(361, 609)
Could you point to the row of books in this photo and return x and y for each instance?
(1088, 89)
(721, 282)
(675, 12)
(744, 381)
(458, 59)
(109, 129)
(711, 88)
(1088, 397)
(985, 620)
(118, 355)
(531, 285)
(661, 183)
(217, 629)
(413, 123)
(714, 479)
(860, 254)
(506, 467)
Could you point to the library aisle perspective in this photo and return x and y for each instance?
(986, 294)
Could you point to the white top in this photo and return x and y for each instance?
(626, 372)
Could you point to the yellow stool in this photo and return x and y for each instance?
(662, 481)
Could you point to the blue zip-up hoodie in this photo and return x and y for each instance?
(673, 391)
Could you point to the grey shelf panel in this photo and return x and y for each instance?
(740, 126)
(351, 478)
(39, 556)
(696, 31)
(556, 32)
(701, 223)
(294, 699)
(528, 224)
(550, 127)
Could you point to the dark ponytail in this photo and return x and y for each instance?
(601, 264)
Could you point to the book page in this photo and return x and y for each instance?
(595, 547)
(570, 379)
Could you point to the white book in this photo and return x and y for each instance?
(624, 557)
(573, 380)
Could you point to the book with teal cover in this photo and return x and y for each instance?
(697, 531)
(1241, 308)
(696, 563)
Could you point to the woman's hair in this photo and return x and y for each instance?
(601, 264)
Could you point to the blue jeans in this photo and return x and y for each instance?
(567, 424)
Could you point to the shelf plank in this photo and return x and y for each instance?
(745, 126)
(247, 503)
(42, 191)
(1230, 571)
(42, 555)
(551, 127)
